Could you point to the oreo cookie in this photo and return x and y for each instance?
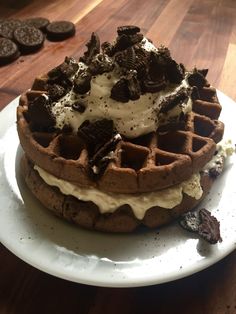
(93, 48)
(7, 28)
(60, 30)
(203, 223)
(38, 22)
(128, 30)
(29, 38)
(96, 134)
(197, 78)
(40, 115)
(8, 51)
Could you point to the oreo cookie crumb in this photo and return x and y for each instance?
(96, 134)
(99, 162)
(120, 91)
(79, 106)
(56, 92)
(196, 78)
(93, 48)
(101, 64)
(209, 228)
(40, 115)
(82, 82)
(128, 30)
(180, 97)
(203, 223)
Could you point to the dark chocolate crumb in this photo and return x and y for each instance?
(93, 48)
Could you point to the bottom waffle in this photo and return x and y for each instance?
(87, 215)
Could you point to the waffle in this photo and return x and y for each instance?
(102, 156)
(151, 162)
(87, 215)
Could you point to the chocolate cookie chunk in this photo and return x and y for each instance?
(203, 223)
(7, 28)
(38, 22)
(60, 30)
(8, 51)
(128, 30)
(40, 115)
(28, 38)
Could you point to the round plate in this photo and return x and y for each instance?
(143, 258)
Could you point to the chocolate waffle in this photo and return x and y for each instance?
(99, 154)
(151, 162)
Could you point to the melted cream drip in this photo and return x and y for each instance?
(140, 203)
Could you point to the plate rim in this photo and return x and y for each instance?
(112, 283)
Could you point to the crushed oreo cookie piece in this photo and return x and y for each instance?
(101, 64)
(79, 106)
(196, 78)
(156, 69)
(126, 58)
(40, 115)
(128, 30)
(153, 86)
(190, 221)
(82, 82)
(180, 97)
(64, 71)
(209, 229)
(108, 48)
(194, 94)
(124, 41)
(133, 86)
(120, 91)
(99, 162)
(175, 72)
(93, 48)
(96, 134)
(203, 72)
(56, 91)
(214, 172)
(203, 223)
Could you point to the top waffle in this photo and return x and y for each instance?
(100, 156)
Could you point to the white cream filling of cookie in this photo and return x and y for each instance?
(140, 203)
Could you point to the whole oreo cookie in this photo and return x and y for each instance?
(8, 51)
(28, 38)
(38, 22)
(7, 28)
(60, 30)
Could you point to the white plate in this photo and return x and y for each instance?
(54, 246)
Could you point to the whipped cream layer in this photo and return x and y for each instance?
(167, 198)
(140, 203)
(131, 119)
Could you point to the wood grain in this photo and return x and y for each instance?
(201, 33)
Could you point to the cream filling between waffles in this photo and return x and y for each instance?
(132, 119)
(140, 203)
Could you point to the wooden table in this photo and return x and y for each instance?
(201, 33)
